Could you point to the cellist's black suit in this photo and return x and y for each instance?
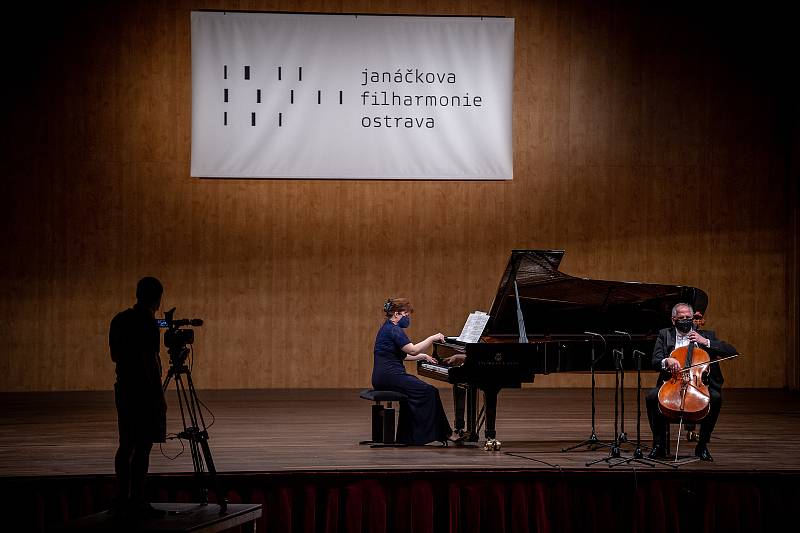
(665, 344)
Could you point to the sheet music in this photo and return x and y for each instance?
(473, 327)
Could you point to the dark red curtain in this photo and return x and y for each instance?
(453, 502)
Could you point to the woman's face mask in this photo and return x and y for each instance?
(404, 322)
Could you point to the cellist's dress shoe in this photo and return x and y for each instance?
(657, 452)
(702, 452)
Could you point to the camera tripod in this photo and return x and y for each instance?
(196, 434)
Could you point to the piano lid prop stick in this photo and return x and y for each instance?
(523, 337)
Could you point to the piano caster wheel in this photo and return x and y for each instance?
(692, 436)
(492, 445)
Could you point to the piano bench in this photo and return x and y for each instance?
(383, 426)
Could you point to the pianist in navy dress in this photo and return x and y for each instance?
(422, 418)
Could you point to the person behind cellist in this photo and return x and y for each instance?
(681, 334)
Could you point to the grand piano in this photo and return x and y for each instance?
(544, 321)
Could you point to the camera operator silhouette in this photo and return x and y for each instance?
(134, 342)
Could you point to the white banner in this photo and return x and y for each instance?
(351, 96)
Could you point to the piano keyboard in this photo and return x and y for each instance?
(437, 369)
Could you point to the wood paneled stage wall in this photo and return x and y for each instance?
(655, 144)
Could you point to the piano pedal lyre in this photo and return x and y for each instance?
(459, 436)
(492, 445)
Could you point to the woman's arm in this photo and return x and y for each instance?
(423, 356)
(415, 351)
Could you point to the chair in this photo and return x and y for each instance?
(689, 429)
(383, 425)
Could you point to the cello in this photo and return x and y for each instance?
(699, 323)
(685, 396)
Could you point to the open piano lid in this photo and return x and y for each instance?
(555, 303)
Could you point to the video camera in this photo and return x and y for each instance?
(176, 337)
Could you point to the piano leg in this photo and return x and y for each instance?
(472, 413)
(490, 403)
(459, 399)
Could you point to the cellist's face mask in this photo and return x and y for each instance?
(684, 325)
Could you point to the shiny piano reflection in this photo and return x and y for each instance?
(540, 323)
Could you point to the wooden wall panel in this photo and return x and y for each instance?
(650, 145)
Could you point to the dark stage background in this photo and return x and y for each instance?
(654, 142)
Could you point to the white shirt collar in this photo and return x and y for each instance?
(681, 339)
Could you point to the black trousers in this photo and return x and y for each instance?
(141, 421)
(658, 422)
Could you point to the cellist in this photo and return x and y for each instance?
(669, 339)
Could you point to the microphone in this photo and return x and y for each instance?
(623, 333)
(618, 356)
(596, 359)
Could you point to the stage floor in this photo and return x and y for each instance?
(280, 431)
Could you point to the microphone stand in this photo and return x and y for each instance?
(638, 456)
(615, 452)
(592, 442)
(623, 437)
